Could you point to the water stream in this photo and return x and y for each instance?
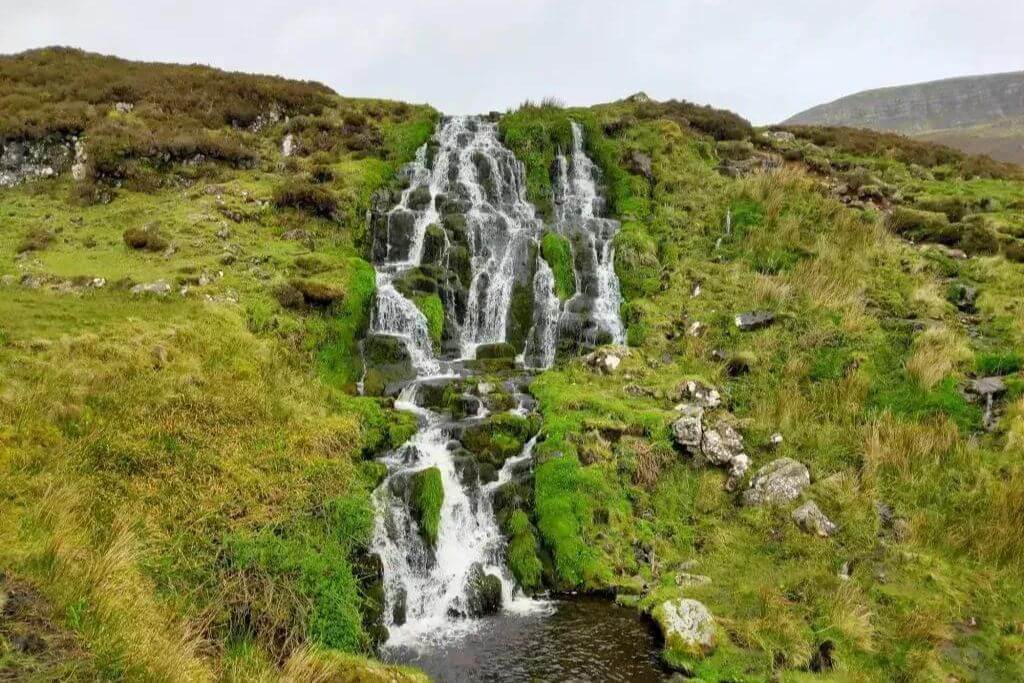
(462, 229)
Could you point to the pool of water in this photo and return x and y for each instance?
(581, 639)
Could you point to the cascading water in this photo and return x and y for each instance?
(463, 233)
(463, 230)
(592, 314)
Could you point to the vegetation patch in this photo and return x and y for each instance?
(556, 250)
(427, 498)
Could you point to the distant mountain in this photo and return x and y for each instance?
(978, 114)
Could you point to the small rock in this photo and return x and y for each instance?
(687, 626)
(696, 328)
(780, 481)
(288, 145)
(721, 444)
(687, 579)
(640, 164)
(688, 429)
(775, 440)
(703, 395)
(159, 288)
(811, 519)
(224, 233)
(754, 320)
(845, 571)
(738, 467)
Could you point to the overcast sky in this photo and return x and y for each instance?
(764, 60)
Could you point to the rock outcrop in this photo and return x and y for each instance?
(780, 481)
(687, 626)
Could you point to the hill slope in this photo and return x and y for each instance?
(979, 114)
(187, 465)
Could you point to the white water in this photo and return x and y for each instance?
(500, 224)
(471, 166)
(578, 208)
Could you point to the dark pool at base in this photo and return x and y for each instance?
(585, 639)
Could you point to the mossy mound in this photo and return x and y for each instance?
(427, 498)
(556, 251)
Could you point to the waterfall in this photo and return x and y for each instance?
(462, 229)
(541, 344)
(592, 315)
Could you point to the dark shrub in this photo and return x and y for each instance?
(289, 296)
(317, 293)
(36, 239)
(307, 197)
(1014, 251)
(924, 226)
(148, 238)
(321, 174)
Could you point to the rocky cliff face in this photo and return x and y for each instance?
(950, 103)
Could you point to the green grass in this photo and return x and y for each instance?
(853, 377)
(427, 498)
(190, 494)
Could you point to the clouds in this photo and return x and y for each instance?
(764, 60)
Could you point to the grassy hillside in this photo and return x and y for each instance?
(1003, 140)
(975, 114)
(186, 495)
(861, 373)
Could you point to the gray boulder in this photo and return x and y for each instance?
(811, 519)
(688, 429)
(721, 444)
(780, 481)
(687, 626)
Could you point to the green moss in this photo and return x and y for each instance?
(521, 555)
(432, 308)
(427, 498)
(556, 250)
(520, 314)
(535, 134)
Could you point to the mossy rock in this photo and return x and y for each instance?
(520, 314)
(499, 437)
(978, 236)
(388, 364)
(557, 252)
(148, 238)
(419, 199)
(923, 226)
(495, 350)
(433, 310)
(735, 150)
(483, 593)
(419, 280)
(427, 498)
(317, 293)
(434, 241)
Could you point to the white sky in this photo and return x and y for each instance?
(765, 60)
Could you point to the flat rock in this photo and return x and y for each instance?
(987, 386)
(780, 481)
(754, 320)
